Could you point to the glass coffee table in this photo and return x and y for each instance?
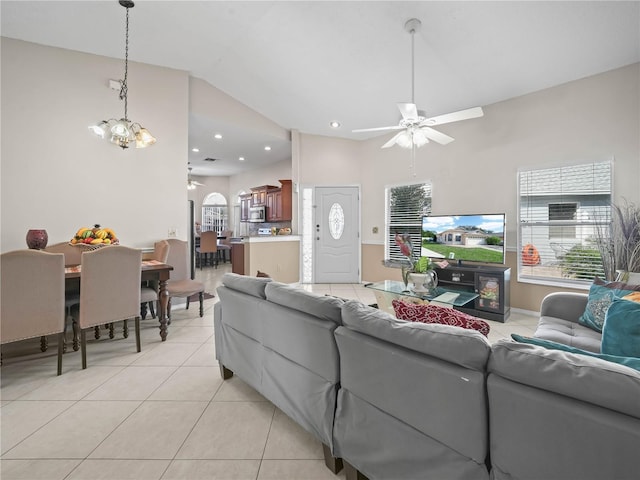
(388, 290)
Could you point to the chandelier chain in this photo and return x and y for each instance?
(124, 88)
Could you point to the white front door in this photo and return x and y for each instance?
(336, 233)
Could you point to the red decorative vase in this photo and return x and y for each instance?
(37, 239)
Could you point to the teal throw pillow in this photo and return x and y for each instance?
(621, 331)
(601, 294)
(626, 361)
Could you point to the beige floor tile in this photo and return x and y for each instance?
(206, 321)
(132, 383)
(17, 380)
(76, 432)
(171, 354)
(287, 440)
(235, 390)
(36, 469)
(212, 470)
(73, 384)
(189, 384)
(296, 470)
(119, 470)
(229, 430)
(205, 356)
(20, 419)
(188, 334)
(154, 431)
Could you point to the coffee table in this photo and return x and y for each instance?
(388, 290)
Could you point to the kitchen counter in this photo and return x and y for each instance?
(276, 255)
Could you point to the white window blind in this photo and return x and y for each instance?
(406, 205)
(561, 213)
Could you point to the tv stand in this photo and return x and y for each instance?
(490, 282)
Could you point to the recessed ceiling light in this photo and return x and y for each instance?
(241, 159)
(196, 150)
(217, 136)
(334, 124)
(267, 148)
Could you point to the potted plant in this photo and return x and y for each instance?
(419, 271)
(619, 244)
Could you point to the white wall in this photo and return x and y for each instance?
(57, 175)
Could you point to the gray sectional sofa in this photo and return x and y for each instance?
(400, 400)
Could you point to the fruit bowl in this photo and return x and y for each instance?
(95, 236)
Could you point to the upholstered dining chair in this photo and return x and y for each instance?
(149, 290)
(180, 284)
(208, 246)
(224, 244)
(109, 291)
(32, 292)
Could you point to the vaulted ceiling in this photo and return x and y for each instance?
(306, 64)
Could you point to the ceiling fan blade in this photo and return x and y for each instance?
(377, 129)
(409, 111)
(436, 136)
(392, 141)
(474, 112)
(197, 183)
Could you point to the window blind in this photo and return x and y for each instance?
(406, 205)
(562, 212)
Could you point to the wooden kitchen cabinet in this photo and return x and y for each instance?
(279, 203)
(245, 203)
(259, 195)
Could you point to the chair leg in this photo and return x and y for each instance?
(96, 332)
(111, 331)
(83, 347)
(76, 332)
(125, 329)
(143, 310)
(152, 310)
(43, 343)
(187, 306)
(137, 327)
(201, 297)
(61, 347)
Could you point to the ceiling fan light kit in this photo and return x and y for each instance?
(416, 128)
(191, 183)
(124, 131)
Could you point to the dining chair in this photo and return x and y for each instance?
(224, 244)
(109, 291)
(32, 292)
(149, 290)
(208, 246)
(72, 257)
(181, 284)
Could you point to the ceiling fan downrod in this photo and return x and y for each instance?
(412, 26)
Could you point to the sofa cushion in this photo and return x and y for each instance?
(569, 333)
(430, 313)
(621, 331)
(249, 285)
(601, 294)
(622, 360)
(594, 380)
(467, 348)
(323, 307)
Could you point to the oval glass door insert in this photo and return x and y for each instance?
(336, 221)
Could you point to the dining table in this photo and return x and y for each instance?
(150, 270)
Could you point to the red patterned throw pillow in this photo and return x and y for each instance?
(429, 313)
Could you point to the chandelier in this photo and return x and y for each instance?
(122, 132)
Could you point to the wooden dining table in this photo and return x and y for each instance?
(150, 270)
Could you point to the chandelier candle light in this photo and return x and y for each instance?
(124, 130)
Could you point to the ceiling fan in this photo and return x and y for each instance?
(192, 184)
(415, 126)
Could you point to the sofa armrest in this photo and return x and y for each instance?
(565, 305)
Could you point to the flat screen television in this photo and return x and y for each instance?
(469, 238)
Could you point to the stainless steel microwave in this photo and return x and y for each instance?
(257, 214)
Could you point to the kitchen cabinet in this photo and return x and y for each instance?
(245, 203)
(259, 195)
(274, 205)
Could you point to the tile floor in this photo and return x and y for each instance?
(163, 413)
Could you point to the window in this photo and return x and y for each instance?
(406, 205)
(561, 214)
(215, 213)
